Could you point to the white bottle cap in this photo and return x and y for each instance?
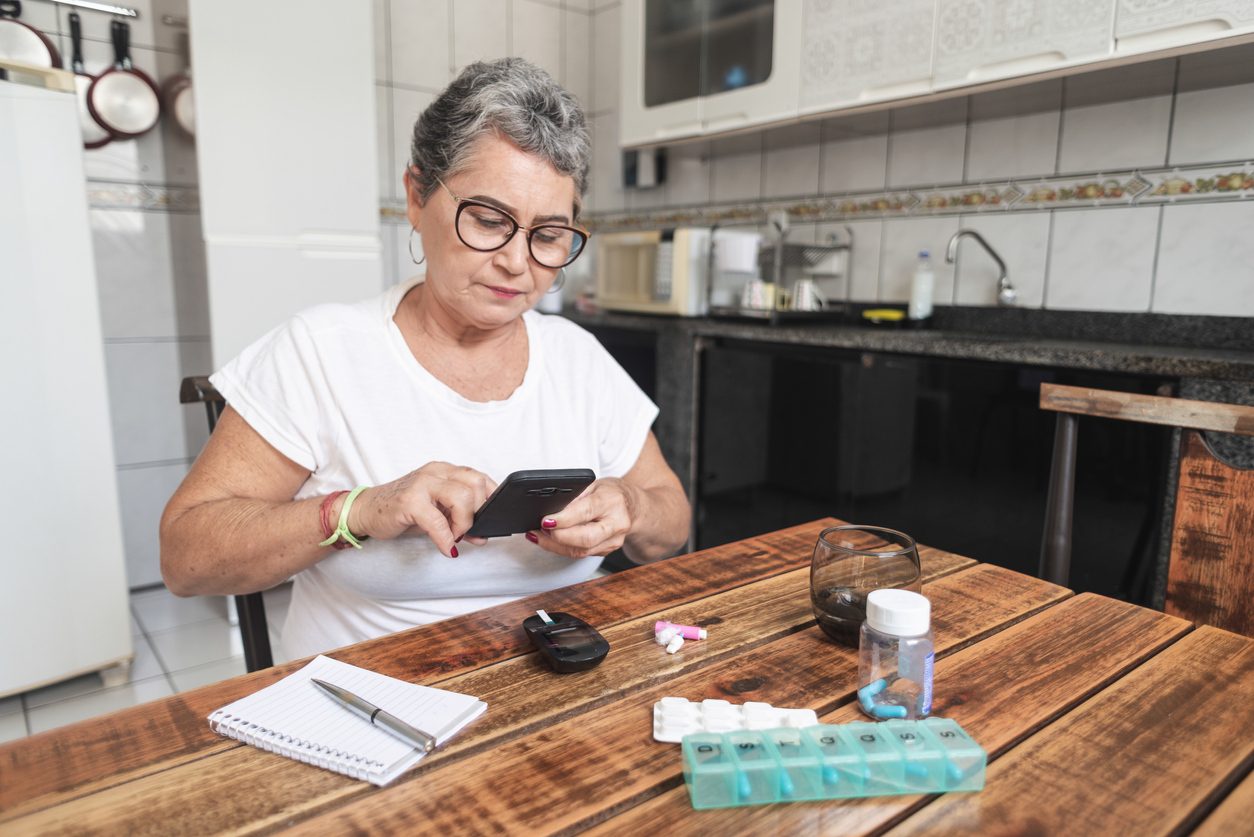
(898, 612)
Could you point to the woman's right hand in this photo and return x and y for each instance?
(438, 500)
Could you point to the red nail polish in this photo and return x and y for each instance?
(459, 539)
(548, 523)
(531, 536)
(453, 552)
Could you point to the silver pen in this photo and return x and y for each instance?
(379, 717)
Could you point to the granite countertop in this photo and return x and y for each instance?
(1017, 341)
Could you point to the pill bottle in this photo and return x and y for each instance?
(895, 656)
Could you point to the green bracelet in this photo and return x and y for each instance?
(341, 530)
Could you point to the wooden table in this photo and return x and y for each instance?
(1099, 718)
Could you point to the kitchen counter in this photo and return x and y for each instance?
(1212, 358)
(1209, 358)
(1023, 347)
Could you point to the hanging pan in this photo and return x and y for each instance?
(124, 100)
(176, 93)
(19, 42)
(94, 135)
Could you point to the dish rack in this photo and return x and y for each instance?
(783, 263)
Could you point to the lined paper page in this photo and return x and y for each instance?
(296, 718)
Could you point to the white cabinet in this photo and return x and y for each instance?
(854, 52)
(660, 81)
(1142, 25)
(832, 55)
(979, 41)
(772, 30)
(288, 161)
(703, 66)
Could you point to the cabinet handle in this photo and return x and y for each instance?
(1183, 33)
(1016, 66)
(677, 129)
(899, 90)
(727, 119)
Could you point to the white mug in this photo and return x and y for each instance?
(758, 294)
(807, 297)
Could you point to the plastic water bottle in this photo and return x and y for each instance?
(895, 656)
(922, 288)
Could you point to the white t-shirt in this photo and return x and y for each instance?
(337, 391)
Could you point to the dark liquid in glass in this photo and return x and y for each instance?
(840, 612)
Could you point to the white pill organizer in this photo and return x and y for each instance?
(675, 717)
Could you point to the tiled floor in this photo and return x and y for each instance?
(180, 644)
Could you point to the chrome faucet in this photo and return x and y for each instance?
(1006, 293)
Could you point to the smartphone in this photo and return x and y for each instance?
(525, 498)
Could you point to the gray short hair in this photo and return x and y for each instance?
(510, 97)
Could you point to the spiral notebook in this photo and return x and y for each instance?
(294, 718)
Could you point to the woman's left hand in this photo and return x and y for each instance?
(596, 522)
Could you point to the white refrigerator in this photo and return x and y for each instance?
(63, 596)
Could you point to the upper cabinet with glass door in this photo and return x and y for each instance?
(701, 66)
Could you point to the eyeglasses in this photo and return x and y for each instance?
(485, 228)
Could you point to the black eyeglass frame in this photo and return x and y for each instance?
(463, 203)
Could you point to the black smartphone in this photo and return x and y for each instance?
(524, 498)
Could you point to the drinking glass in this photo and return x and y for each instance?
(851, 561)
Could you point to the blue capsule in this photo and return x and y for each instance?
(874, 688)
(866, 695)
(889, 711)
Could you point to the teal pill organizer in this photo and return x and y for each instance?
(830, 761)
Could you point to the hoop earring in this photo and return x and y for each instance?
(411, 248)
(561, 280)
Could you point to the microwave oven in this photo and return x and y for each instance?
(657, 272)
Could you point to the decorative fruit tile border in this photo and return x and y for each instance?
(1119, 189)
(1233, 181)
(109, 195)
(1219, 182)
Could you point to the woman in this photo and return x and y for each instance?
(427, 396)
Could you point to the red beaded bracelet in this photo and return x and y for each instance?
(324, 516)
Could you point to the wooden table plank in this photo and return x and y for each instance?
(1101, 717)
(103, 752)
(521, 695)
(1234, 815)
(1141, 757)
(1000, 690)
(587, 767)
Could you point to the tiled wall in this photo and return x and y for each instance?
(149, 249)
(1190, 254)
(1182, 259)
(150, 269)
(420, 45)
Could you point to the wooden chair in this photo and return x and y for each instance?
(1210, 577)
(250, 607)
